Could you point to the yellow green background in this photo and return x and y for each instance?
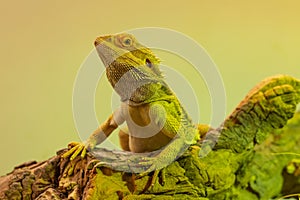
(43, 44)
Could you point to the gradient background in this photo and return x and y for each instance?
(43, 44)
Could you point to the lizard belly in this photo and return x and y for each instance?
(144, 136)
(140, 145)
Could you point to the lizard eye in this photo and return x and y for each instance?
(127, 42)
(148, 63)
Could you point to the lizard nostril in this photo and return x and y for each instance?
(101, 39)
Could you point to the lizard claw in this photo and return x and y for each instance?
(157, 175)
(158, 172)
(75, 148)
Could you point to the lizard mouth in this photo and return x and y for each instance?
(105, 53)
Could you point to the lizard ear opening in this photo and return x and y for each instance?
(148, 63)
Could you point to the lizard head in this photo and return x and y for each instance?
(131, 68)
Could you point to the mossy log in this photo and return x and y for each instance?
(262, 173)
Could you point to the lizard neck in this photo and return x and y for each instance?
(150, 92)
(168, 98)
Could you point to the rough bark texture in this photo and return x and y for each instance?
(269, 170)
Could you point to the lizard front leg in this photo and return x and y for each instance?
(101, 133)
(97, 137)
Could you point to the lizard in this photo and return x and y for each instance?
(147, 101)
(155, 118)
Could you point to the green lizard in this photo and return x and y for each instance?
(153, 114)
(157, 121)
